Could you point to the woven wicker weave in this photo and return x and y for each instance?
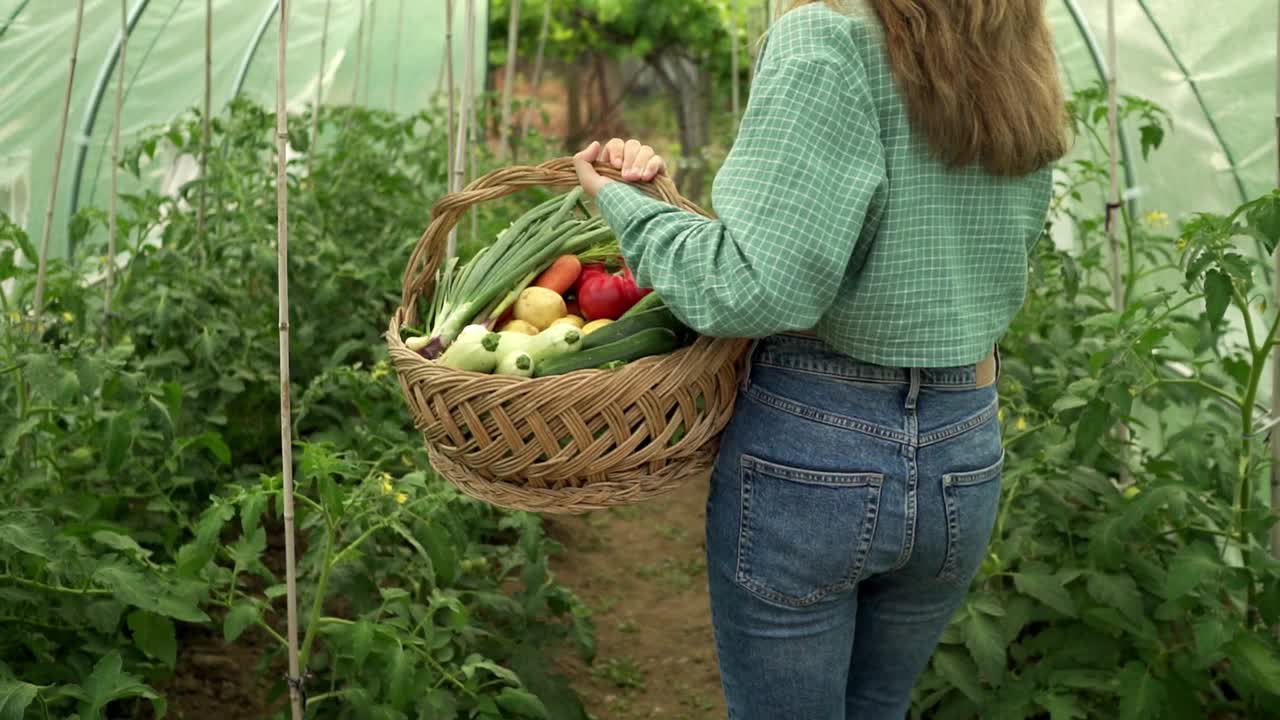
(498, 438)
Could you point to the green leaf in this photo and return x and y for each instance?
(361, 640)
(1187, 571)
(251, 512)
(1069, 402)
(1259, 659)
(155, 636)
(1264, 219)
(238, 619)
(1211, 636)
(123, 543)
(1118, 591)
(958, 669)
(193, 557)
(1061, 707)
(331, 496)
(15, 697)
(1150, 136)
(104, 615)
(1047, 589)
(108, 683)
(987, 604)
(401, 681)
(1141, 695)
(522, 703)
(1093, 424)
(119, 439)
(18, 533)
(134, 588)
(247, 551)
(213, 442)
(1217, 296)
(986, 645)
(438, 704)
(441, 549)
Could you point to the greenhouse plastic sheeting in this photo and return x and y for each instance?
(1222, 147)
(164, 71)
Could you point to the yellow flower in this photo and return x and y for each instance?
(68, 317)
(1000, 414)
(1156, 218)
(1181, 244)
(1021, 424)
(386, 483)
(402, 498)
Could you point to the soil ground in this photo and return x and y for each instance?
(642, 571)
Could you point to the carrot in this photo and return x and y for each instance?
(562, 274)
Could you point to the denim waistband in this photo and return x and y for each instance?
(809, 354)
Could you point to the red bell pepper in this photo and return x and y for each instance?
(605, 296)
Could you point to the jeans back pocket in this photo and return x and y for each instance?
(972, 501)
(804, 534)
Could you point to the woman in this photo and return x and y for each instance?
(892, 170)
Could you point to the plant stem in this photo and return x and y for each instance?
(313, 622)
(351, 547)
(60, 589)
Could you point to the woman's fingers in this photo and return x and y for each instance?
(631, 149)
(655, 167)
(614, 152)
(637, 164)
(637, 161)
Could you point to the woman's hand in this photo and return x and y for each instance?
(638, 163)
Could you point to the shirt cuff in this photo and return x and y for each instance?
(622, 205)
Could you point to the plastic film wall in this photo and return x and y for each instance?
(164, 71)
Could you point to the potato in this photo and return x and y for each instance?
(540, 307)
(519, 326)
(573, 320)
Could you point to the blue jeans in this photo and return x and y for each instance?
(850, 508)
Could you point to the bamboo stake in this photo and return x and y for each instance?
(451, 248)
(205, 126)
(286, 424)
(1114, 205)
(733, 57)
(355, 84)
(469, 105)
(115, 173)
(1275, 360)
(395, 59)
(315, 111)
(368, 73)
(536, 81)
(513, 46)
(47, 231)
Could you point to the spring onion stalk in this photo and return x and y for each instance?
(516, 253)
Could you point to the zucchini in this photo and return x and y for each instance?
(651, 341)
(648, 302)
(659, 317)
(474, 352)
(516, 363)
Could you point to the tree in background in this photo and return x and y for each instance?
(683, 44)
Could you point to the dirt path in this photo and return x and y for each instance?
(641, 569)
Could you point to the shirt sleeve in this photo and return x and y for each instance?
(791, 199)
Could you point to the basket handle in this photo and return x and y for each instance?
(419, 274)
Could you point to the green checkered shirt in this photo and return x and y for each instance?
(834, 216)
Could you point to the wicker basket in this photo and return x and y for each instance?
(499, 438)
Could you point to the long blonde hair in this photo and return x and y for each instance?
(980, 79)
